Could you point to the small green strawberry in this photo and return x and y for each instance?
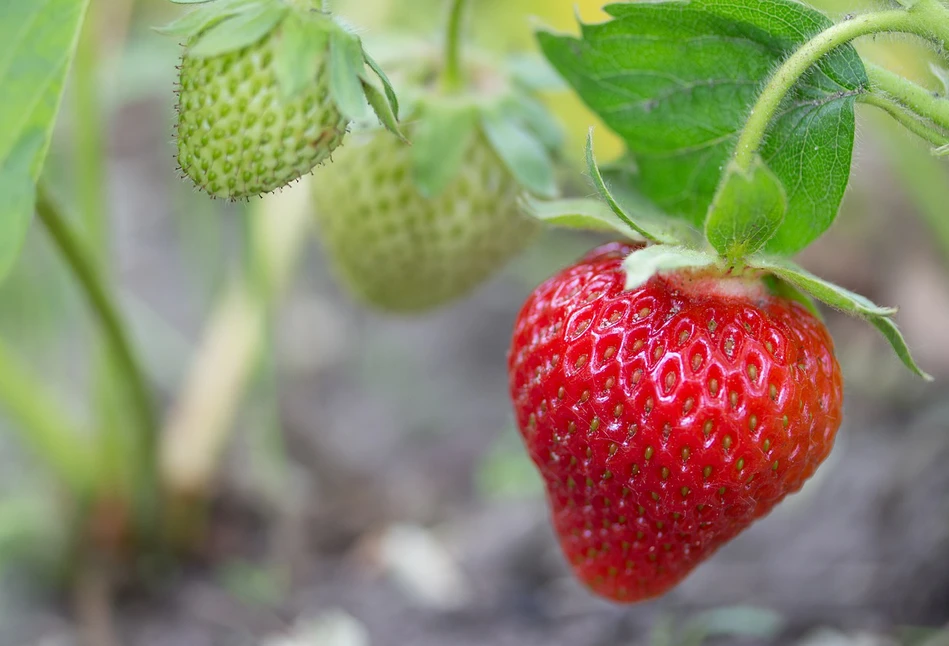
(410, 228)
(267, 91)
(401, 250)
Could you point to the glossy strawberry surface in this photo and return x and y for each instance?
(666, 419)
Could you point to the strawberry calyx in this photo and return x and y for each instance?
(358, 87)
(730, 245)
(492, 102)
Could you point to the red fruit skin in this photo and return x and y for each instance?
(666, 419)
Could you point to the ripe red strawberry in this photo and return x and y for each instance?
(666, 419)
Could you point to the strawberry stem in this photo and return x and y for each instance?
(87, 273)
(914, 97)
(906, 118)
(927, 19)
(453, 79)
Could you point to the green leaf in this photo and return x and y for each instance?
(298, 55)
(346, 65)
(441, 138)
(585, 214)
(676, 80)
(238, 31)
(843, 300)
(642, 217)
(522, 153)
(746, 212)
(383, 108)
(39, 40)
(643, 264)
(18, 189)
(386, 84)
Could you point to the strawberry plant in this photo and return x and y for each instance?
(267, 91)
(650, 382)
(442, 215)
(671, 387)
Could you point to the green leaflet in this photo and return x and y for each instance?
(843, 300)
(586, 214)
(39, 40)
(346, 65)
(747, 211)
(522, 152)
(238, 31)
(676, 80)
(441, 138)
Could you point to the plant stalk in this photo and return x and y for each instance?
(906, 118)
(914, 21)
(913, 96)
(84, 268)
(454, 77)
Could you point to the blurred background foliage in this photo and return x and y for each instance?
(373, 450)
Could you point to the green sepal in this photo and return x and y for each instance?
(442, 136)
(303, 45)
(580, 213)
(844, 300)
(203, 18)
(351, 87)
(746, 212)
(643, 264)
(636, 211)
(784, 289)
(534, 115)
(942, 151)
(346, 65)
(386, 84)
(239, 31)
(381, 105)
(521, 151)
(534, 73)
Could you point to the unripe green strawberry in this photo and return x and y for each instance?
(268, 89)
(238, 136)
(401, 251)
